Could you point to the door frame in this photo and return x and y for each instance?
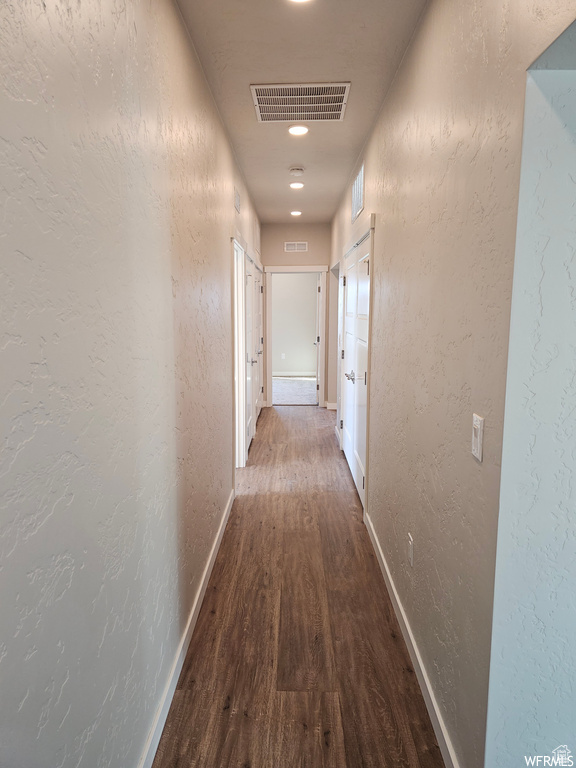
(240, 255)
(368, 228)
(322, 270)
(239, 354)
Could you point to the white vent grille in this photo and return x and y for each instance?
(312, 101)
(358, 194)
(301, 247)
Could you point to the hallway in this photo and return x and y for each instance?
(297, 658)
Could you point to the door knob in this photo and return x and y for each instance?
(350, 376)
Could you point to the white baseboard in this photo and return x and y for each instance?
(293, 374)
(442, 735)
(162, 712)
(331, 406)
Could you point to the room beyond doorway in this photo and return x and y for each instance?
(294, 390)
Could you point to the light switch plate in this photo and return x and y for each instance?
(477, 436)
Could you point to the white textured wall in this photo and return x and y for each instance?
(532, 707)
(294, 300)
(116, 200)
(274, 236)
(442, 174)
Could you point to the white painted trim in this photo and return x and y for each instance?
(162, 712)
(338, 436)
(294, 375)
(307, 268)
(440, 729)
(268, 338)
(240, 240)
(322, 330)
(254, 261)
(240, 453)
(321, 379)
(331, 406)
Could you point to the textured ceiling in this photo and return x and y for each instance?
(246, 42)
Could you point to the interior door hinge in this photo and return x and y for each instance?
(342, 354)
(261, 339)
(261, 289)
(341, 423)
(365, 378)
(344, 280)
(318, 387)
(262, 390)
(368, 265)
(318, 339)
(363, 482)
(319, 289)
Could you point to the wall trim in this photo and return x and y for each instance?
(331, 406)
(338, 435)
(155, 733)
(293, 374)
(440, 729)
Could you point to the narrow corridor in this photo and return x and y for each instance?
(297, 658)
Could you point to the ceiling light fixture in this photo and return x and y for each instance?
(295, 213)
(296, 185)
(299, 1)
(297, 130)
(296, 170)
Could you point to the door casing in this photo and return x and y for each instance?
(354, 437)
(322, 270)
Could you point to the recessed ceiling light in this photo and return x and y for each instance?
(296, 213)
(299, 1)
(296, 185)
(297, 130)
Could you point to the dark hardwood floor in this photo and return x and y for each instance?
(297, 660)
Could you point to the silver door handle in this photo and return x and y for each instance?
(350, 376)
(259, 352)
(253, 362)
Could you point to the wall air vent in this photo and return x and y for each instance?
(358, 194)
(310, 101)
(296, 247)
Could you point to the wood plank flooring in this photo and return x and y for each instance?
(297, 660)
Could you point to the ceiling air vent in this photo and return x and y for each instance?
(310, 101)
(296, 247)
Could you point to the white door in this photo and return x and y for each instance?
(319, 348)
(354, 384)
(258, 341)
(240, 352)
(250, 411)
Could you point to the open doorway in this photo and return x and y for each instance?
(294, 338)
(295, 317)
